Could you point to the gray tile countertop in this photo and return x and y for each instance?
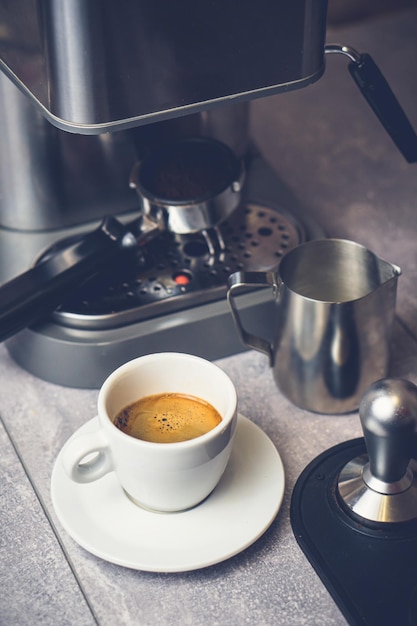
(325, 142)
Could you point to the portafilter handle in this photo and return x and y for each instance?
(381, 486)
(33, 295)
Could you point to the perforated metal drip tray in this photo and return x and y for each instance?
(175, 272)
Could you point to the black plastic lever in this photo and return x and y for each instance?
(29, 297)
(379, 95)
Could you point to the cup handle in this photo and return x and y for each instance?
(239, 281)
(75, 457)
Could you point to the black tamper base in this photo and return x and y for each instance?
(369, 569)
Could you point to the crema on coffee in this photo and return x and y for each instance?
(167, 418)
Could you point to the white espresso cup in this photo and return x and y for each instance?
(158, 476)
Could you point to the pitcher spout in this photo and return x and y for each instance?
(388, 271)
(397, 270)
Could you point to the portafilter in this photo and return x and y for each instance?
(187, 186)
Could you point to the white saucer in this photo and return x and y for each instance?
(102, 519)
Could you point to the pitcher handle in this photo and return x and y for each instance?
(239, 281)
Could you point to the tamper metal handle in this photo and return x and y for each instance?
(388, 413)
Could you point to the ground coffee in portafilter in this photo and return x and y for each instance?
(167, 418)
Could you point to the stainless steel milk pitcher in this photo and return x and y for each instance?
(335, 304)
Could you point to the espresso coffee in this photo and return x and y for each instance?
(167, 418)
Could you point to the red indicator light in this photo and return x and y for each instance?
(181, 278)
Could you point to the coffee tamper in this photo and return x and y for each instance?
(381, 486)
(354, 511)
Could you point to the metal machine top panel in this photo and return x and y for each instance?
(99, 65)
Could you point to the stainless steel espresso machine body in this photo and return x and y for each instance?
(94, 66)
(91, 91)
(90, 88)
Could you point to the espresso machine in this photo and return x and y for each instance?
(130, 188)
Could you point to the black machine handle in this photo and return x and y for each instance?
(381, 99)
(31, 296)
